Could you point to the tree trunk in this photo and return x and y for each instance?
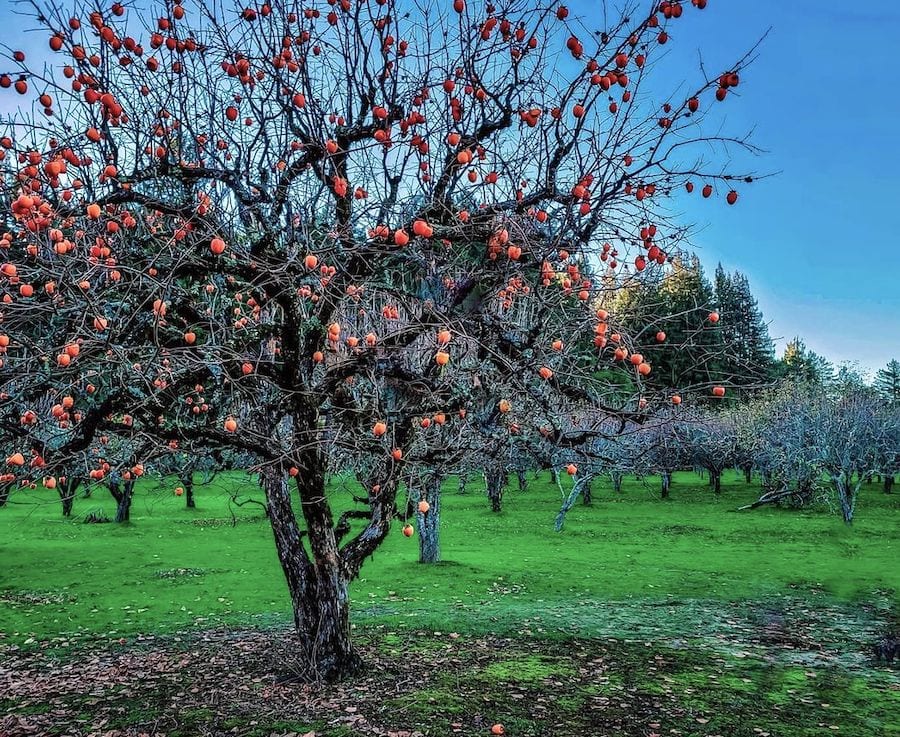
(123, 493)
(666, 477)
(428, 523)
(580, 486)
(846, 497)
(715, 480)
(66, 490)
(463, 480)
(748, 473)
(554, 475)
(523, 480)
(494, 479)
(616, 481)
(4, 493)
(587, 490)
(888, 484)
(188, 483)
(318, 587)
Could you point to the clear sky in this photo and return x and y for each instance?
(817, 240)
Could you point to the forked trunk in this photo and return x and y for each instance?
(319, 590)
(428, 524)
(580, 486)
(846, 496)
(123, 493)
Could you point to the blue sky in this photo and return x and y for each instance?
(816, 241)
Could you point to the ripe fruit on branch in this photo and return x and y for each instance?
(424, 506)
(408, 530)
(16, 459)
(217, 246)
(231, 424)
(571, 469)
(379, 429)
(718, 391)
(504, 406)
(442, 358)
(713, 317)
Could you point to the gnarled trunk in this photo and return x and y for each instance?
(428, 523)
(494, 478)
(318, 586)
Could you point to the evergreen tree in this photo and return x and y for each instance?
(678, 304)
(887, 382)
(849, 380)
(749, 355)
(799, 362)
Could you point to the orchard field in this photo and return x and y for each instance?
(391, 368)
(642, 616)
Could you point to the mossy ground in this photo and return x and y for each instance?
(643, 617)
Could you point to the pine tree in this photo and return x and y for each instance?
(887, 382)
(678, 304)
(749, 356)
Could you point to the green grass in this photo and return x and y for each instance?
(681, 613)
(171, 568)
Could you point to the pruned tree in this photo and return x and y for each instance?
(815, 441)
(710, 441)
(292, 232)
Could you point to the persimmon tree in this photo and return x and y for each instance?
(293, 231)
